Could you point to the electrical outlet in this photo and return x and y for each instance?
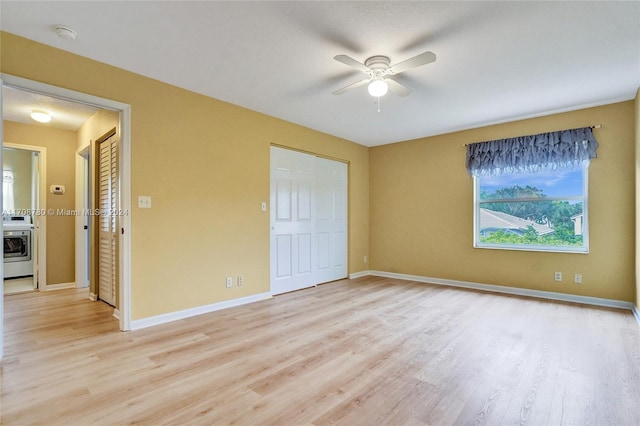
(558, 276)
(144, 202)
(240, 280)
(366, 259)
(577, 278)
(229, 282)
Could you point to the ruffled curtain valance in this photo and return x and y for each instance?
(526, 154)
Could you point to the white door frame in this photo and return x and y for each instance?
(82, 220)
(1, 249)
(39, 216)
(124, 221)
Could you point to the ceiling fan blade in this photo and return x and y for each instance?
(349, 61)
(397, 88)
(351, 86)
(416, 61)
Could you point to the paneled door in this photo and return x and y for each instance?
(108, 196)
(308, 220)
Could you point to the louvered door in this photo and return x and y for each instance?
(108, 220)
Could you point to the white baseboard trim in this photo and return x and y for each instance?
(636, 313)
(116, 313)
(586, 300)
(199, 310)
(93, 297)
(359, 274)
(59, 286)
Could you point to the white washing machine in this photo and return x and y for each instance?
(18, 246)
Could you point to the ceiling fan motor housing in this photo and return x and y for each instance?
(378, 65)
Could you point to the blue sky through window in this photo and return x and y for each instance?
(553, 183)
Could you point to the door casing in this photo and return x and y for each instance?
(39, 204)
(124, 221)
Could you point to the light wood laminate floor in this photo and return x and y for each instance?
(18, 285)
(361, 352)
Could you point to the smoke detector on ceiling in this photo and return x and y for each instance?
(65, 32)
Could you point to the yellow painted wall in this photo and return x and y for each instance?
(422, 210)
(205, 163)
(60, 146)
(97, 126)
(19, 162)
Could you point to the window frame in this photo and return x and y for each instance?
(584, 249)
(8, 193)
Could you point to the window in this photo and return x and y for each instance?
(542, 211)
(8, 202)
(530, 192)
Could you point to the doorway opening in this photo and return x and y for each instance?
(80, 210)
(83, 203)
(24, 225)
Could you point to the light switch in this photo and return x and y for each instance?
(144, 202)
(264, 206)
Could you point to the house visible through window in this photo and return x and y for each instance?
(545, 210)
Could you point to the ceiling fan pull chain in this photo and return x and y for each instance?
(378, 99)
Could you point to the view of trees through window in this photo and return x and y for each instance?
(543, 211)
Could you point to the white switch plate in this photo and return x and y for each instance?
(264, 206)
(144, 202)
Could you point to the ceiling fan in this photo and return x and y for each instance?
(379, 73)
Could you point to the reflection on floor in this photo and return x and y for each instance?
(18, 285)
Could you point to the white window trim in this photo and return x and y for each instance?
(584, 249)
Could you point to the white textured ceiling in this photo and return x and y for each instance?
(496, 61)
(17, 106)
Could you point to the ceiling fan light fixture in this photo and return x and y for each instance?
(40, 116)
(378, 87)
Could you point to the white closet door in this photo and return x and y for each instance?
(308, 220)
(107, 221)
(331, 220)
